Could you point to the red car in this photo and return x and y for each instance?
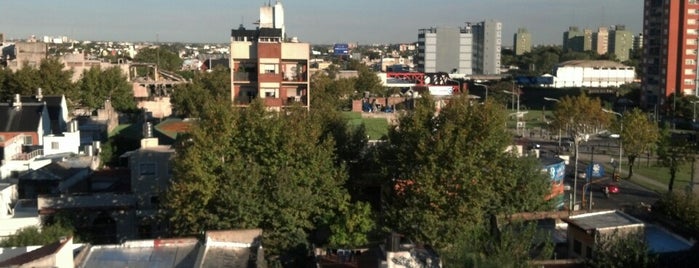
(610, 188)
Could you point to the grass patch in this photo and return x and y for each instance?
(376, 128)
(533, 119)
(662, 174)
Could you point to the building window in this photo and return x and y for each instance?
(588, 252)
(690, 62)
(577, 247)
(28, 140)
(689, 82)
(269, 68)
(54, 145)
(688, 71)
(691, 41)
(147, 169)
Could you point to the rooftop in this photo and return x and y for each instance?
(593, 63)
(603, 219)
(149, 253)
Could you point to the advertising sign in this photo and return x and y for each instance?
(341, 49)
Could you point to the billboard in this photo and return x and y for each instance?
(341, 49)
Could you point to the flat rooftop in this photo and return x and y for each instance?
(603, 219)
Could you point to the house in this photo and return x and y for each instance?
(22, 129)
(56, 106)
(56, 178)
(585, 230)
(58, 254)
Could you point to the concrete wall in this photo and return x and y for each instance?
(69, 142)
(296, 51)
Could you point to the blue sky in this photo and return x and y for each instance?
(314, 21)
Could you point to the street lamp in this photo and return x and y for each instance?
(517, 113)
(621, 130)
(694, 111)
(559, 126)
(486, 90)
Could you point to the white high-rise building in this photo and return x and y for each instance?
(487, 43)
(445, 50)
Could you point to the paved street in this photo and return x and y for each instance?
(630, 194)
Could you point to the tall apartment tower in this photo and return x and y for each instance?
(600, 41)
(576, 40)
(620, 42)
(670, 33)
(445, 50)
(272, 16)
(487, 43)
(522, 41)
(265, 66)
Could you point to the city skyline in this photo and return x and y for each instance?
(313, 21)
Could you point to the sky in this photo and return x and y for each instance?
(313, 21)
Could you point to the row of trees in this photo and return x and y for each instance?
(542, 59)
(95, 86)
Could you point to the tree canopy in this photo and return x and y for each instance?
(165, 57)
(97, 85)
(251, 168)
(449, 172)
(640, 135)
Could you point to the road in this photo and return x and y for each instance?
(630, 194)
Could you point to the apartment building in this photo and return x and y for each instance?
(600, 40)
(620, 42)
(265, 65)
(522, 41)
(670, 34)
(445, 50)
(487, 40)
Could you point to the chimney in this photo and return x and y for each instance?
(39, 96)
(148, 140)
(17, 103)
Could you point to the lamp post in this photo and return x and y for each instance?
(621, 130)
(486, 90)
(559, 127)
(517, 113)
(694, 111)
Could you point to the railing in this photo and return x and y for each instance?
(27, 156)
(244, 76)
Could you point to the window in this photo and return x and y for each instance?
(147, 169)
(269, 68)
(690, 62)
(688, 71)
(577, 247)
(691, 41)
(588, 252)
(54, 145)
(28, 140)
(689, 82)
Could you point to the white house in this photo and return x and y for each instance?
(592, 73)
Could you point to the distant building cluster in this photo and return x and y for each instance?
(472, 49)
(613, 40)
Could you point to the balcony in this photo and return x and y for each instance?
(244, 76)
(300, 78)
(28, 156)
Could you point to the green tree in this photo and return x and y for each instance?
(351, 227)
(672, 153)
(579, 116)
(97, 85)
(54, 79)
(24, 81)
(367, 81)
(32, 236)
(165, 57)
(251, 168)
(622, 250)
(444, 172)
(187, 98)
(640, 135)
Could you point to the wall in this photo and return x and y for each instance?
(69, 142)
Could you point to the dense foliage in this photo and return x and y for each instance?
(251, 168)
(640, 135)
(187, 98)
(448, 173)
(32, 236)
(165, 57)
(98, 85)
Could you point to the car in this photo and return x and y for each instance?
(611, 188)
